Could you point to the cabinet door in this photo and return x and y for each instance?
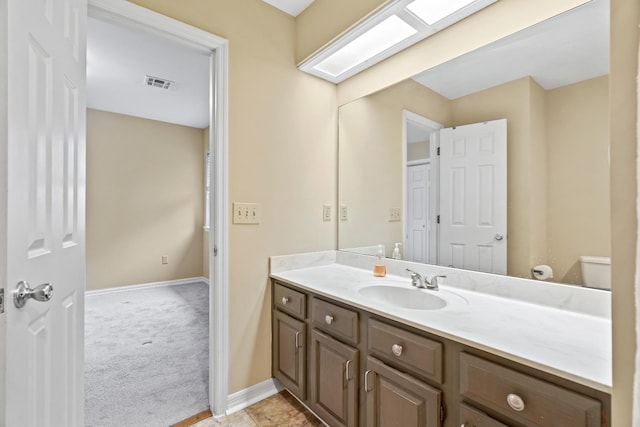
(289, 353)
(333, 379)
(397, 399)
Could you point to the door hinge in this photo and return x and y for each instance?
(438, 151)
(438, 219)
(1, 301)
(443, 412)
(215, 250)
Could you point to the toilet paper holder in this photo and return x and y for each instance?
(542, 272)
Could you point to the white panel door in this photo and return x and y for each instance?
(45, 212)
(473, 197)
(418, 224)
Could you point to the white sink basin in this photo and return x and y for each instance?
(412, 298)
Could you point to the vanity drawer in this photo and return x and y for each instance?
(293, 302)
(339, 322)
(406, 350)
(524, 399)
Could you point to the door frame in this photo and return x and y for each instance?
(128, 13)
(434, 176)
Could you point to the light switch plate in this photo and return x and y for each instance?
(326, 213)
(343, 212)
(394, 214)
(246, 213)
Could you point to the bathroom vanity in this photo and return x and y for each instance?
(365, 351)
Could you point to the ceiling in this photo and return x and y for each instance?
(292, 7)
(566, 49)
(119, 58)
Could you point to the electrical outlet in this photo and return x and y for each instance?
(326, 212)
(165, 259)
(343, 212)
(394, 214)
(247, 213)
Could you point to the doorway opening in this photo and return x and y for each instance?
(420, 187)
(215, 251)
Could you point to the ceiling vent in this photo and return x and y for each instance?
(158, 82)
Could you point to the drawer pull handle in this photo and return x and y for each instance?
(346, 370)
(298, 339)
(396, 349)
(366, 381)
(285, 300)
(328, 319)
(515, 402)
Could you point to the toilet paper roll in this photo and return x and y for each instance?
(542, 272)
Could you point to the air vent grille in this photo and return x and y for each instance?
(158, 82)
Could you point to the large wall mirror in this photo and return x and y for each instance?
(549, 84)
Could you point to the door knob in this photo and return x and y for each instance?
(499, 237)
(23, 292)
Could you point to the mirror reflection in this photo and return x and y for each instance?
(540, 199)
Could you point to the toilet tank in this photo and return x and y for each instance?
(596, 271)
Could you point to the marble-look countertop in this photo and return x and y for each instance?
(570, 344)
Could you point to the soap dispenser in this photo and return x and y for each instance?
(380, 269)
(396, 252)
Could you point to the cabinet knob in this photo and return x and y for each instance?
(285, 300)
(328, 319)
(515, 402)
(396, 349)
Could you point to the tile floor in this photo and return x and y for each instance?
(281, 409)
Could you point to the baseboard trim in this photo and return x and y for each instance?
(127, 288)
(244, 398)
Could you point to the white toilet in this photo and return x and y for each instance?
(596, 271)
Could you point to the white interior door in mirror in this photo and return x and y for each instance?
(418, 224)
(473, 197)
(45, 212)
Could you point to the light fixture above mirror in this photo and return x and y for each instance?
(393, 28)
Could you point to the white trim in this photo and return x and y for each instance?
(177, 282)
(219, 260)
(244, 398)
(129, 13)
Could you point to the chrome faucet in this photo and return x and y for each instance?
(422, 282)
(417, 280)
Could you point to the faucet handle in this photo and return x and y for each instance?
(416, 278)
(434, 279)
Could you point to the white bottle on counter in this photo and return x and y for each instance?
(396, 252)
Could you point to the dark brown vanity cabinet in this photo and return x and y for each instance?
(354, 368)
(333, 380)
(398, 399)
(289, 355)
(520, 399)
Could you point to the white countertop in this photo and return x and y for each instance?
(569, 344)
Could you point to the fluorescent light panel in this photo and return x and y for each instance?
(379, 38)
(432, 11)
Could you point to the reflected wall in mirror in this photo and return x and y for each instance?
(550, 83)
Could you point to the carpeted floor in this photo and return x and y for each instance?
(146, 356)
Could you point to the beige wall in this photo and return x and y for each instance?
(370, 135)
(625, 18)
(282, 154)
(144, 200)
(579, 209)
